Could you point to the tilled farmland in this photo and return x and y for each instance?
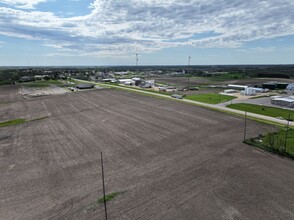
(165, 159)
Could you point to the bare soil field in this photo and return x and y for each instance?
(42, 91)
(169, 159)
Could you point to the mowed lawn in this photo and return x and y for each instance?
(210, 98)
(263, 110)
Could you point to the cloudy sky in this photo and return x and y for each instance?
(162, 32)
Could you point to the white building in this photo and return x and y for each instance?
(123, 81)
(284, 101)
(240, 87)
(253, 90)
(227, 91)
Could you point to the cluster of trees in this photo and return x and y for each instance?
(9, 76)
(273, 75)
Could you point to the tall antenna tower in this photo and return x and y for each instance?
(137, 59)
(189, 61)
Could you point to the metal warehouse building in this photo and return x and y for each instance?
(285, 101)
(85, 86)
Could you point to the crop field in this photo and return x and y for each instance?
(163, 159)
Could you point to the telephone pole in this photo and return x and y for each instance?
(287, 129)
(103, 182)
(245, 124)
(189, 63)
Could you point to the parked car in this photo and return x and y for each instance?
(177, 96)
(162, 89)
(193, 88)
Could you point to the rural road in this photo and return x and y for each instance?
(205, 105)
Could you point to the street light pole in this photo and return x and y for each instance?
(103, 182)
(287, 129)
(245, 125)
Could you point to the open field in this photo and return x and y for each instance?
(210, 98)
(36, 91)
(263, 110)
(171, 160)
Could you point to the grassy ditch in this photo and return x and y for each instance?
(263, 110)
(109, 197)
(210, 98)
(19, 121)
(275, 142)
(12, 122)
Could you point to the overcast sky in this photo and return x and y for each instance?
(162, 32)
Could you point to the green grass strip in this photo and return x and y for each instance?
(12, 122)
(210, 98)
(109, 197)
(19, 121)
(263, 110)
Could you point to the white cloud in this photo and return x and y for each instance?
(23, 4)
(120, 27)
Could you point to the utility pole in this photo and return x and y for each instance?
(245, 124)
(189, 63)
(103, 182)
(137, 59)
(287, 129)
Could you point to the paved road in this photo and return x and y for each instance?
(210, 106)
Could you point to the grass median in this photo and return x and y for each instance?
(210, 98)
(263, 110)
